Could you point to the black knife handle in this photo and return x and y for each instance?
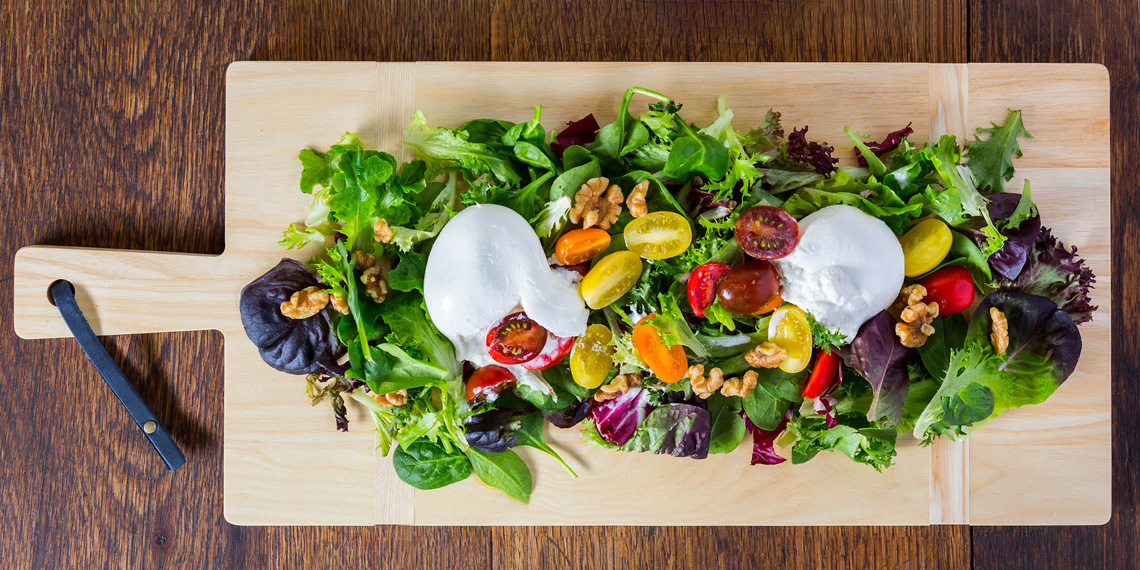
(63, 294)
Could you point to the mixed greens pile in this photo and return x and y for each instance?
(861, 393)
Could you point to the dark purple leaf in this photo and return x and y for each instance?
(1056, 272)
(1008, 261)
(825, 406)
(809, 155)
(893, 140)
(1038, 330)
(568, 417)
(294, 346)
(764, 441)
(581, 132)
(489, 431)
(618, 418)
(877, 355)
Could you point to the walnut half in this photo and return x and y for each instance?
(591, 207)
(305, 303)
(766, 355)
(1000, 335)
(375, 283)
(636, 200)
(397, 398)
(704, 386)
(618, 386)
(742, 386)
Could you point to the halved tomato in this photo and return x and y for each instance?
(658, 235)
(557, 347)
(580, 246)
(668, 363)
(489, 380)
(749, 287)
(765, 232)
(701, 289)
(789, 329)
(515, 339)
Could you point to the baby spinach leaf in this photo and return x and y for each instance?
(727, 425)
(427, 465)
(695, 154)
(505, 471)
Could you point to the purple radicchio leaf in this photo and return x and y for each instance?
(893, 140)
(1056, 272)
(877, 355)
(680, 430)
(293, 346)
(1008, 261)
(581, 132)
(568, 417)
(764, 441)
(490, 431)
(825, 406)
(618, 418)
(809, 155)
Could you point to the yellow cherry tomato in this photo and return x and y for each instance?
(659, 235)
(790, 330)
(610, 278)
(580, 246)
(592, 356)
(668, 363)
(925, 246)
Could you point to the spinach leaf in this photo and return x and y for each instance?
(427, 465)
(555, 400)
(774, 395)
(949, 335)
(530, 434)
(505, 471)
(727, 425)
(695, 154)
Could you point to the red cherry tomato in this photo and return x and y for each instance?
(823, 374)
(515, 339)
(489, 380)
(748, 287)
(952, 288)
(765, 232)
(702, 285)
(557, 347)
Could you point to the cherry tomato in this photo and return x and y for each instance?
(748, 287)
(515, 339)
(489, 380)
(925, 246)
(823, 374)
(592, 357)
(952, 288)
(658, 235)
(702, 285)
(668, 363)
(790, 330)
(771, 305)
(557, 347)
(610, 278)
(580, 246)
(765, 232)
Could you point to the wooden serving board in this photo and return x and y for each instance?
(286, 464)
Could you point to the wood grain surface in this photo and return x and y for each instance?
(111, 130)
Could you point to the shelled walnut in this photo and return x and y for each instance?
(375, 283)
(363, 261)
(382, 232)
(618, 386)
(915, 316)
(339, 305)
(704, 386)
(594, 205)
(741, 386)
(636, 200)
(1000, 335)
(766, 355)
(397, 398)
(305, 303)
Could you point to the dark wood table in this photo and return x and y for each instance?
(111, 135)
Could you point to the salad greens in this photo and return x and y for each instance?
(355, 321)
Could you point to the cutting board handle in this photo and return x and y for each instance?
(124, 291)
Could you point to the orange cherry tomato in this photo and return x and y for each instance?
(580, 246)
(667, 362)
(771, 305)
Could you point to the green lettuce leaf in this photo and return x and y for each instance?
(991, 160)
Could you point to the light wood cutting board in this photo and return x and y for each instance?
(286, 464)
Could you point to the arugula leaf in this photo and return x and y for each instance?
(991, 160)
(504, 471)
(530, 434)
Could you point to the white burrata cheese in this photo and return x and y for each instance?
(487, 263)
(847, 267)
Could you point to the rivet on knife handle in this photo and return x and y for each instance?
(62, 294)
